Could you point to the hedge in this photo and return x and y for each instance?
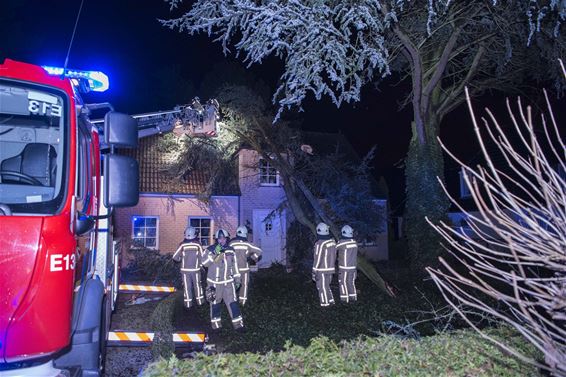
(162, 324)
(460, 353)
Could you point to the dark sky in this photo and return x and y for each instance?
(125, 40)
(154, 68)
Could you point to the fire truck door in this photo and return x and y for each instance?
(84, 201)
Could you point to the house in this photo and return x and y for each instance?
(465, 206)
(168, 205)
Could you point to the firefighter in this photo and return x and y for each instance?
(245, 252)
(190, 254)
(323, 264)
(347, 249)
(223, 278)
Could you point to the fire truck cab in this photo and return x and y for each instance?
(60, 178)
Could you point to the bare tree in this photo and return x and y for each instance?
(512, 264)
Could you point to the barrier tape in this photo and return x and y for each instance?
(131, 338)
(145, 288)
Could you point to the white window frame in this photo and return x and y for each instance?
(277, 179)
(211, 233)
(133, 236)
(464, 189)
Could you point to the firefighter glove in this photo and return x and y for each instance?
(237, 283)
(210, 293)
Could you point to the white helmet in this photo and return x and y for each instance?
(242, 231)
(347, 231)
(221, 233)
(322, 229)
(190, 233)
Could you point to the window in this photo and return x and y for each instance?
(464, 189)
(145, 231)
(268, 175)
(85, 168)
(202, 225)
(34, 141)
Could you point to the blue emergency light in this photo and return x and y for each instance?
(97, 81)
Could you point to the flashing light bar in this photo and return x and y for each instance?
(97, 81)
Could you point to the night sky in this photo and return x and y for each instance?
(154, 68)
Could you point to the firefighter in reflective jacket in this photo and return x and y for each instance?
(190, 254)
(222, 278)
(323, 264)
(347, 249)
(245, 251)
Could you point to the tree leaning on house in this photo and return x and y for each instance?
(247, 122)
(247, 118)
(333, 48)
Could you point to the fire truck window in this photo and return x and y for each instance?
(33, 148)
(85, 167)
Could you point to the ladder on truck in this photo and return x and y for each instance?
(194, 119)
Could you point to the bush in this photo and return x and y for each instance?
(300, 241)
(162, 325)
(462, 353)
(151, 266)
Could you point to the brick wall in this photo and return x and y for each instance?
(173, 212)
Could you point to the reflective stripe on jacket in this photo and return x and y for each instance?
(222, 267)
(324, 256)
(347, 254)
(190, 253)
(243, 250)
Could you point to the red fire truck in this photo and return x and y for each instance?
(60, 178)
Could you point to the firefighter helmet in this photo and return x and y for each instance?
(347, 231)
(242, 231)
(221, 233)
(210, 293)
(322, 229)
(190, 233)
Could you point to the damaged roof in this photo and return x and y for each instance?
(155, 175)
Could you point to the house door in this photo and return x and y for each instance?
(268, 235)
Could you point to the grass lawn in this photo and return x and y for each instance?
(288, 334)
(284, 307)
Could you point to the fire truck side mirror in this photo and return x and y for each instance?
(120, 130)
(121, 182)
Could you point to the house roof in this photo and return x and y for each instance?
(155, 177)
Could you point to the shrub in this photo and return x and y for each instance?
(513, 251)
(300, 241)
(162, 325)
(462, 353)
(150, 265)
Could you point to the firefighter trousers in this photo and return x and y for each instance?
(346, 280)
(323, 286)
(227, 293)
(243, 292)
(192, 288)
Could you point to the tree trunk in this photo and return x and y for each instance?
(425, 197)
